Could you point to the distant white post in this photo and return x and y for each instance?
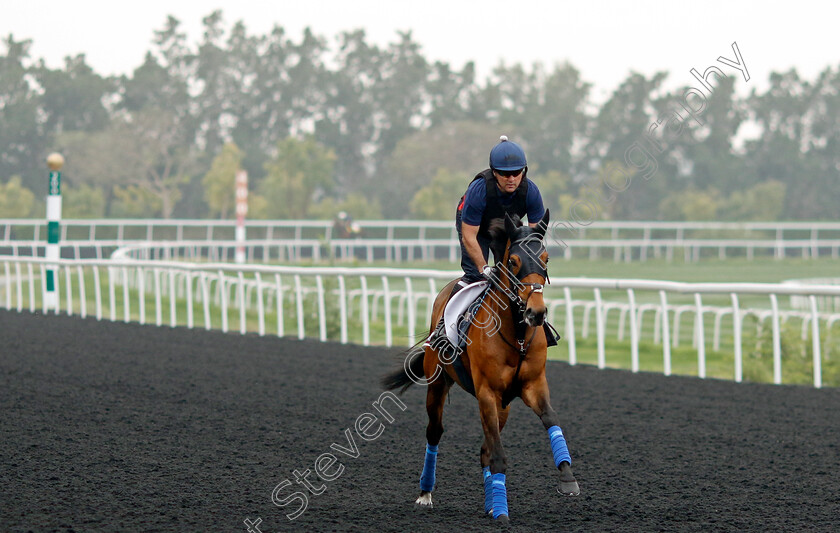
(55, 161)
(241, 211)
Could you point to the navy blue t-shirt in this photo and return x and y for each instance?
(475, 201)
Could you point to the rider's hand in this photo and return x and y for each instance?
(488, 272)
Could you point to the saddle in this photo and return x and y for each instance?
(462, 306)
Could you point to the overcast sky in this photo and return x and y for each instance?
(605, 40)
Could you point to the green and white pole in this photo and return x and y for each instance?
(55, 161)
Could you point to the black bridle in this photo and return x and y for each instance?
(529, 249)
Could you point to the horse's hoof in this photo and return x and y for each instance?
(424, 501)
(569, 488)
(503, 519)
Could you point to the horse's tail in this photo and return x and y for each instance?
(401, 378)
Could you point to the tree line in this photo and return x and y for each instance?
(323, 125)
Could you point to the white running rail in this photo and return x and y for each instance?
(320, 300)
(427, 240)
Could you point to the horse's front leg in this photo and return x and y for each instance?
(435, 397)
(485, 463)
(490, 406)
(535, 395)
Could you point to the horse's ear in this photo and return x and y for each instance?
(510, 226)
(540, 228)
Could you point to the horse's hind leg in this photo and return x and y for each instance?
(535, 395)
(435, 397)
(485, 463)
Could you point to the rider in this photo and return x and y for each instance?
(502, 188)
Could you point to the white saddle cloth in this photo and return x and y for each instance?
(456, 307)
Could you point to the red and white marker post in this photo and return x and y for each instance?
(241, 211)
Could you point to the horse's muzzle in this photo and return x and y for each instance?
(534, 317)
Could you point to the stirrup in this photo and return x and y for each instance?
(439, 331)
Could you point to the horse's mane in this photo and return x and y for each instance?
(499, 237)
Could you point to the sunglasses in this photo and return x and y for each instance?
(510, 173)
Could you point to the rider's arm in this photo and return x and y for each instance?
(534, 204)
(470, 234)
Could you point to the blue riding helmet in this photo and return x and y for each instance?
(507, 155)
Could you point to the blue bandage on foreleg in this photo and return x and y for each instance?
(500, 506)
(427, 478)
(558, 446)
(488, 490)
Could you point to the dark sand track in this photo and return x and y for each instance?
(120, 427)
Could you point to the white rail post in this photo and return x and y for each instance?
(278, 284)
(112, 293)
(97, 292)
(322, 309)
(173, 319)
(205, 299)
(342, 306)
(82, 296)
(387, 309)
(815, 342)
(634, 332)
(299, 307)
(410, 311)
(701, 336)
(241, 293)
(365, 313)
(666, 341)
(599, 326)
(777, 341)
(19, 288)
(7, 287)
(570, 327)
(260, 306)
(189, 280)
(220, 286)
(736, 331)
(68, 289)
(141, 292)
(158, 301)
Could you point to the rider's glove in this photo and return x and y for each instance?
(489, 272)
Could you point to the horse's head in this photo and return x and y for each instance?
(525, 266)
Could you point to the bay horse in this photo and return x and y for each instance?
(504, 358)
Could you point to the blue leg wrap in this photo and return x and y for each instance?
(488, 490)
(427, 478)
(558, 446)
(500, 506)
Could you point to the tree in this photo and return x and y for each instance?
(356, 205)
(762, 202)
(400, 93)
(346, 121)
(300, 169)
(779, 152)
(73, 98)
(547, 109)
(16, 201)
(621, 122)
(458, 147)
(439, 199)
(219, 182)
(146, 150)
(82, 201)
(23, 142)
(135, 202)
(690, 205)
